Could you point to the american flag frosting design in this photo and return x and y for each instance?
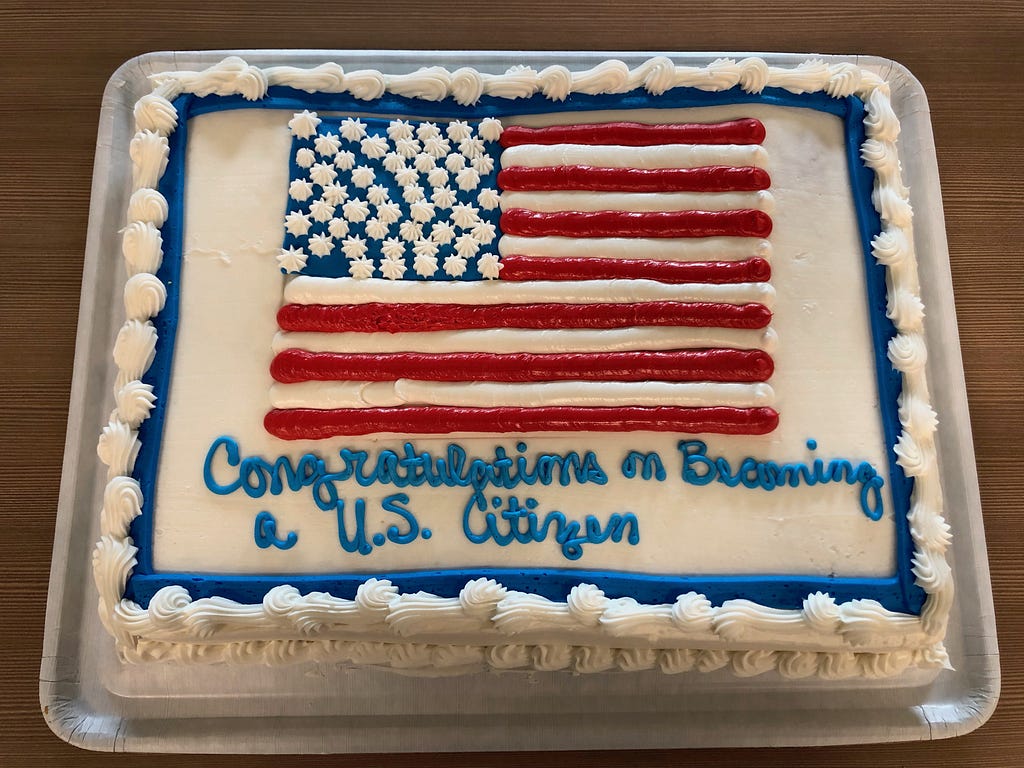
(460, 277)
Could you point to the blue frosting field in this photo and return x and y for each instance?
(898, 592)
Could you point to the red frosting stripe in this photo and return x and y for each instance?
(581, 224)
(309, 424)
(590, 179)
(519, 268)
(377, 318)
(744, 131)
(294, 365)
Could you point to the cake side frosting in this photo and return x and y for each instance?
(496, 626)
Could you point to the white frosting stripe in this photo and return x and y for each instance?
(344, 290)
(659, 249)
(390, 394)
(664, 156)
(511, 340)
(546, 202)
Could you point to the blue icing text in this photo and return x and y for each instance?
(701, 469)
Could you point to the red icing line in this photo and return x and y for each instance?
(413, 318)
(744, 131)
(295, 365)
(309, 424)
(591, 179)
(518, 268)
(582, 224)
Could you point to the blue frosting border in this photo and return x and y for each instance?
(898, 592)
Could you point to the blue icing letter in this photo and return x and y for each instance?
(231, 457)
(650, 465)
(265, 533)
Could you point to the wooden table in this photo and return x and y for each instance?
(57, 61)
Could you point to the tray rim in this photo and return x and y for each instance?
(73, 720)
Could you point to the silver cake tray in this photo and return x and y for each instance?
(90, 700)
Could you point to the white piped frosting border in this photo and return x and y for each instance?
(488, 625)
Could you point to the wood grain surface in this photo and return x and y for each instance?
(58, 57)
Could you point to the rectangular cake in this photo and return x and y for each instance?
(614, 369)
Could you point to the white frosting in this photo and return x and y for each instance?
(657, 248)
(325, 290)
(493, 625)
(638, 201)
(666, 156)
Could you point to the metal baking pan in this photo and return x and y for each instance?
(90, 700)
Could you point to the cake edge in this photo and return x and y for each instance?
(496, 627)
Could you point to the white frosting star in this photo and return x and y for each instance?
(467, 179)
(335, 194)
(455, 162)
(300, 189)
(322, 174)
(483, 232)
(393, 162)
(424, 163)
(292, 259)
(321, 210)
(327, 145)
(442, 232)
(393, 248)
(437, 147)
(466, 245)
(344, 160)
(338, 228)
(424, 248)
(352, 129)
(465, 215)
(376, 229)
(489, 266)
(489, 198)
(304, 124)
(421, 211)
(305, 157)
(471, 147)
(458, 130)
(374, 147)
(377, 194)
(443, 197)
(410, 230)
(392, 269)
(489, 129)
(399, 129)
(407, 147)
(320, 245)
(412, 193)
(455, 265)
(297, 223)
(406, 177)
(363, 176)
(354, 247)
(427, 131)
(361, 268)
(356, 210)
(483, 164)
(389, 213)
(425, 266)
(437, 177)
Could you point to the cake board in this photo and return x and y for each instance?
(92, 701)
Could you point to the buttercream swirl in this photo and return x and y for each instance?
(821, 612)
(588, 659)
(917, 415)
(753, 75)
(148, 152)
(142, 247)
(122, 503)
(366, 84)
(467, 86)
(673, 661)
(517, 83)
(374, 596)
(844, 80)
(135, 348)
(636, 659)
(144, 293)
(551, 657)
(134, 402)
(586, 604)
(795, 665)
(609, 76)
(155, 113)
(658, 75)
(555, 82)
(324, 78)
(480, 597)
(753, 663)
(881, 122)
(711, 659)
(907, 351)
(837, 666)
(692, 611)
(891, 248)
(147, 205)
(906, 310)
(928, 528)
(428, 83)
